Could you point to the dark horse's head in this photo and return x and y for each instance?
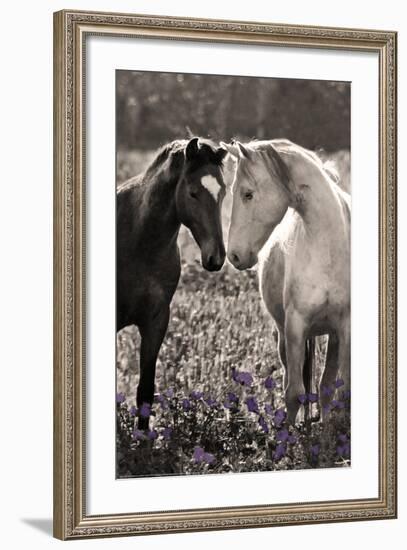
(199, 196)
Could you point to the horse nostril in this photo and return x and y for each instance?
(235, 258)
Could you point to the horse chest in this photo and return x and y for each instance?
(320, 300)
(317, 283)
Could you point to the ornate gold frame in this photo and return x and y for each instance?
(70, 518)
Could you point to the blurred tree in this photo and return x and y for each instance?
(154, 108)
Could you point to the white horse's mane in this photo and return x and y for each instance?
(288, 147)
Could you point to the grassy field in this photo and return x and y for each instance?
(219, 404)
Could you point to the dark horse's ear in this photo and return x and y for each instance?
(220, 154)
(192, 148)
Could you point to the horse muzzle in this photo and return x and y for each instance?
(241, 261)
(214, 260)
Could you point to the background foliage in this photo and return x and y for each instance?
(154, 108)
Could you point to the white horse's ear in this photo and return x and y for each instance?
(243, 152)
(230, 148)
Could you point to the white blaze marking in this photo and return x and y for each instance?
(211, 184)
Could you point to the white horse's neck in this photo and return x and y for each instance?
(313, 195)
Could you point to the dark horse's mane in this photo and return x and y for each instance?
(176, 149)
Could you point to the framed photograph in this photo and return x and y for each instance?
(225, 274)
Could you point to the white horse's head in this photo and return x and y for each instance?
(260, 200)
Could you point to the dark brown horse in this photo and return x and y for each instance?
(183, 185)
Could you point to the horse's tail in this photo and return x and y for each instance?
(308, 369)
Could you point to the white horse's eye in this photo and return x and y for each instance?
(248, 195)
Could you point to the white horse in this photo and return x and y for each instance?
(286, 202)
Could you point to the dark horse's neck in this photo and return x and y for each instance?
(160, 215)
(147, 210)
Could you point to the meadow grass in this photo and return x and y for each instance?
(219, 404)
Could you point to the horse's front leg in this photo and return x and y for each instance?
(152, 333)
(295, 349)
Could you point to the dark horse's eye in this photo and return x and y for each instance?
(193, 194)
(248, 196)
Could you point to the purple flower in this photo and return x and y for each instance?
(159, 398)
(208, 458)
(326, 408)
(263, 425)
(252, 405)
(244, 378)
(230, 401)
(337, 404)
(133, 411)
(302, 398)
(280, 451)
(162, 401)
(312, 397)
(343, 450)
(232, 397)
(145, 410)
(120, 397)
(138, 434)
(167, 432)
(201, 456)
(343, 438)
(198, 454)
(327, 391)
(291, 438)
(282, 435)
(196, 395)
(346, 394)
(152, 434)
(315, 450)
(186, 405)
(279, 417)
(270, 383)
(339, 383)
(210, 402)
(169, 393)
(268, 408)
